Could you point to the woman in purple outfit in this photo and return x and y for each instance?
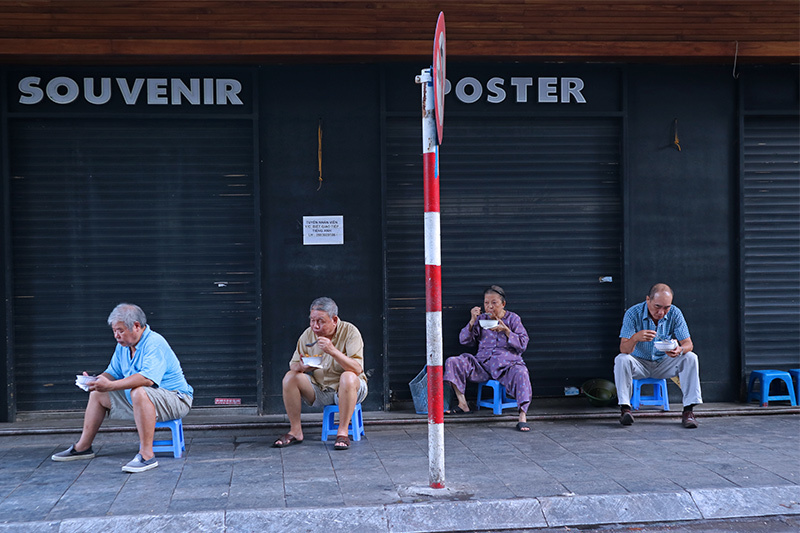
(499, 355)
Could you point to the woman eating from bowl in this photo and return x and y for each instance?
(500, 347)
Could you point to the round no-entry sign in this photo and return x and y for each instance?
(439, 75)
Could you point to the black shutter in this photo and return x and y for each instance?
(533, 205)
(155, 212)
(771, 242)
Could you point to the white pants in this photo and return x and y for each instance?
(627, 368)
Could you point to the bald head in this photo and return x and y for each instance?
(659, 288)
(659, 301)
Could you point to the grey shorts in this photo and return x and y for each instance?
(169, 404)
(328, 396)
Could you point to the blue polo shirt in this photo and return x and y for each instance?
(154, 359)
(672, 326)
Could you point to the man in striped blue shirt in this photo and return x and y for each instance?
(656, 319)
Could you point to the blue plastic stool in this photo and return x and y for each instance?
(766, 377)
(176, 444)
(499, 399)
(659, 396)
(355, 429)
(795, 373)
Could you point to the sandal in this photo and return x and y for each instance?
(523, 426)
(342, 442)
(286, 440)
(456, 411)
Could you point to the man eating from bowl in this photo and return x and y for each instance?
(655, 343)
(339, 379)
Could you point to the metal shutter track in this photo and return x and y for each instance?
(532, 205)
(148, 211)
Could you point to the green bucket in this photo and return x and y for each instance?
(600, 392)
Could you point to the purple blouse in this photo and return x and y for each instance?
(495, 350)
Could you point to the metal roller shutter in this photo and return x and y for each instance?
(155, 212)
(533, 205)
(771, 242)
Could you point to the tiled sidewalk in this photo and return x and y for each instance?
(569, 472)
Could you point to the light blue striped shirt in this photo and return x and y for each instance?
(672, 326)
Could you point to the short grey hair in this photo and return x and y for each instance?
(325, 304)
(128, 314)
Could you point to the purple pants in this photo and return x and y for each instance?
(513, 375)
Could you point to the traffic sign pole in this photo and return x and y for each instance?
(432, 81)
(433, 284)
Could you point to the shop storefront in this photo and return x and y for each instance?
(133, 185)
(531, 200)
(573, 186)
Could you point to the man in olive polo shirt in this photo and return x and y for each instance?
(339, 379)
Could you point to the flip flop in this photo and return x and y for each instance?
(342, 442)
(456, 411)
(286, 440)
(523, 426)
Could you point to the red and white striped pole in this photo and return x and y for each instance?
(433, 283)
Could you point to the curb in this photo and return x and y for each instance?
(442, 516)
(419, 419)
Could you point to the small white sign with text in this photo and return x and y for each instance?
(323, 230)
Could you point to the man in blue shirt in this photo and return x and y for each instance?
(143, 382)
(656, 319)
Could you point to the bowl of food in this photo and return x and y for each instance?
(313, 361)
(666, 346)
(488, 324)
(600, 392)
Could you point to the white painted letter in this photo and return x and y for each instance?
(522, 85)
(495, 88)
(208, 91)
(62, 81)
(572, 86)
(180, 89)
(105, 91)
(547, 90)
(130, 95)
(157, 91)
(477, 90)
(228, 91)
(31, 94)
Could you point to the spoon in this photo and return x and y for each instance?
(310, 344)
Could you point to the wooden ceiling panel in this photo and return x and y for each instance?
(245, 31)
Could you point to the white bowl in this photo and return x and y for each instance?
(313, 361)
(488, 324)
(666, 346)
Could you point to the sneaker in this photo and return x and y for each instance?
(688, 420)
(139, 464)
(626, 418)
(71, 455)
